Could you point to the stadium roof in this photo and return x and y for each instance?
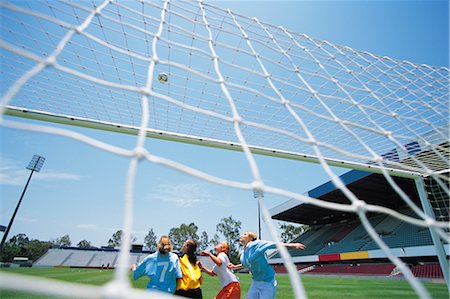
(370, 187)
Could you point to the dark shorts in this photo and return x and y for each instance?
(192, 293)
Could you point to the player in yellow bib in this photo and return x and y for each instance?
(190, 284)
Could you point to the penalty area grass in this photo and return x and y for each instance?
(315, 286)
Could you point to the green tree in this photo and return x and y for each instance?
(150, 240)
(214, 240)
(62, 241)
(21, 245)
(10, 250)
(178, 235)
(290, 232)
(116, 239)
(37, 248)
(19, 240)
(230, 230)
(204, 241)
(84, 244)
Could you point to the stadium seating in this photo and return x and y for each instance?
(402, 234)
(343, 247)
(354, 269)
(344, 231)
(75, 257)
(86, 258)
(321, 238)
(353, 252)
(354, 240)
(352, 236)
(54, 257)
(432, 270)
(78, 258)
(104, 259)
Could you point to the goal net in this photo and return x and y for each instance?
(233, 82)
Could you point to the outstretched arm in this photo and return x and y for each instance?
(235, 267)
(298, 246)
(214, 258)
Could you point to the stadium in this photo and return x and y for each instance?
(113, 77)
(338, 243)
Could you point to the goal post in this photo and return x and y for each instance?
(438, 244)
(189, 71)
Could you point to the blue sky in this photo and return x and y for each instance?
(80, 189)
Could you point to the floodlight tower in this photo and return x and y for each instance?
(35, 165)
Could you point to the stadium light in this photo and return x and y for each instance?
(258, 195)
(34, 165)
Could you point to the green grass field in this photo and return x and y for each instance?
(316, 287)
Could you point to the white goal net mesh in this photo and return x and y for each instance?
(233, 82)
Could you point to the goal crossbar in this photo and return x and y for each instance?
(124, 129)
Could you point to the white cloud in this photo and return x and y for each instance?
(183, 195)
(11, 173)
(14, 173)
(51, 175)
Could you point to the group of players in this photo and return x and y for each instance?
(183, 275)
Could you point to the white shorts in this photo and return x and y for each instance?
(262, 290)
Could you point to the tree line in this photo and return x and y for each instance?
(228, 229)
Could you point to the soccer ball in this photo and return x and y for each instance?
(163, 78)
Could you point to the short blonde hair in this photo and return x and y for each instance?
(252, 235)
(164, 245)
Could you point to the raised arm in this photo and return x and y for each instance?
(214, 258)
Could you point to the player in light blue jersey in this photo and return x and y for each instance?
(162, 267)
(254, 258)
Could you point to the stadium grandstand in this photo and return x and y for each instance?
(98, 258)
(338, 244)
(105, 257)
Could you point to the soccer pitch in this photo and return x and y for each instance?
(316, 287)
